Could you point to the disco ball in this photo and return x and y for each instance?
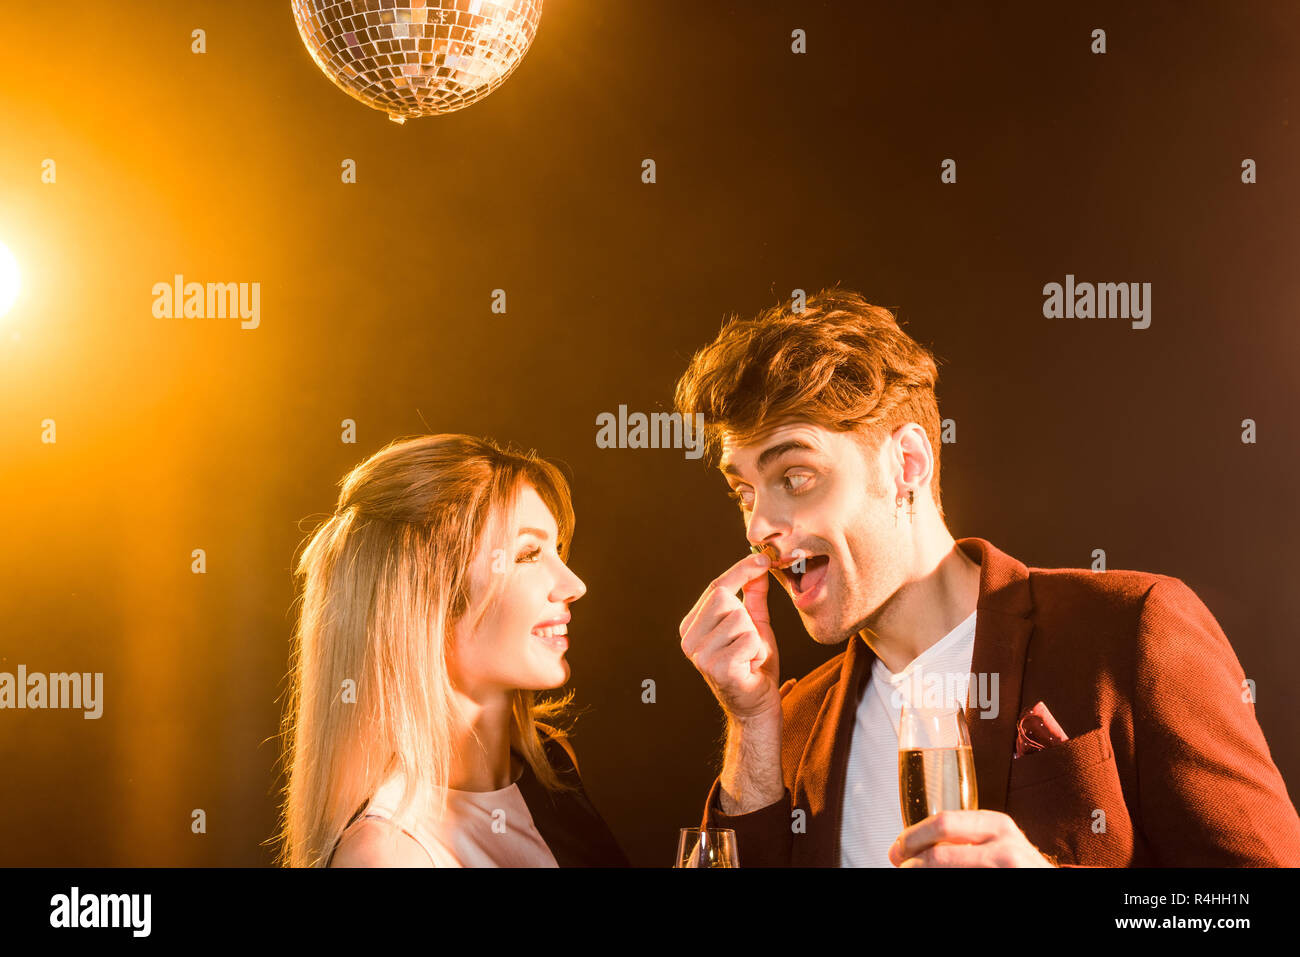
(417, 57)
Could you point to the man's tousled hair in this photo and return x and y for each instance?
(841, 363)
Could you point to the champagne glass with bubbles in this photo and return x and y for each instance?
(936, 766)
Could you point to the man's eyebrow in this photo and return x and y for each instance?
(535, 531)
(768, 455)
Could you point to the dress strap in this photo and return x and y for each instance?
(359, 815)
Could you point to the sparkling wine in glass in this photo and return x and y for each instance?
(936, 767)
(707, 847)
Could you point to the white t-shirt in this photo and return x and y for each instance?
(481, 829)
(873, 817)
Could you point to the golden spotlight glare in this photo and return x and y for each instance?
(8, 279)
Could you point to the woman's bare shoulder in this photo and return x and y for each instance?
(378, 842)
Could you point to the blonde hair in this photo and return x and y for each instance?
(841, 363)
(386, 579)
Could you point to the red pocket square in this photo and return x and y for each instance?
(1037, 730)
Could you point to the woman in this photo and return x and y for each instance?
(434, 606)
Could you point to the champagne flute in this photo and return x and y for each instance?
(707, 847)
(936, 766)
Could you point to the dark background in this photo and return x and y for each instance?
(775, 172)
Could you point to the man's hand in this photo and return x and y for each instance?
(965, 839)
(730, 641)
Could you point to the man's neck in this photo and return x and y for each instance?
(940, 592)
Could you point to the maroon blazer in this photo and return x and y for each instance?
(1140, 677)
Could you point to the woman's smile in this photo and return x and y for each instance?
(554, 633)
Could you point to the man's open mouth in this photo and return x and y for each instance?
(814, 571)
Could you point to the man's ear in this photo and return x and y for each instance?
(915, 455)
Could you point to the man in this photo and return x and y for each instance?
(1109, 717)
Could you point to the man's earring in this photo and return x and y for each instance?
(898, 507)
